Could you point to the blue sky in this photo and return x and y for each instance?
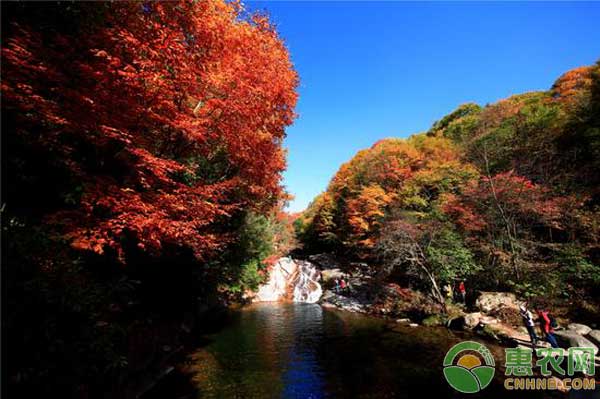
(370, 70)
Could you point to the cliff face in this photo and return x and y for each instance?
(291, 280)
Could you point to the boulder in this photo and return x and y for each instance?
(488, 320)
(522, 330)
(488, 301)
(580, 329)
(507, 315)
(569, 338)
(594, 336)
(343, 302)
(472, 319)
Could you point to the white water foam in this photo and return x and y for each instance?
(289, 278)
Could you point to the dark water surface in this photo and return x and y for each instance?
(306, 351)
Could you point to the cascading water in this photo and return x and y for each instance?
(291, 279)
(307, 287)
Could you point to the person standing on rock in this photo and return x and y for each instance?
(343, 284)
(448, 292)
(463, 291)
(337, 286)
(529, 324)
(546, 325)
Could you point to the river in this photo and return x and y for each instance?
(299, 350)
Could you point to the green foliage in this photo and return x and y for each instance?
(240, 266)
(529, 290)
(434, 320)
(251, 278)
(576, 268)
(256, 237)
(455, 118)
(462, 129)
(316, 228)
(450, 257)
(260, 238)
(393, 174)
(572, 277)
(511, 188)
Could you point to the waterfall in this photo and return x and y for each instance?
(307, 287)
(291, 279)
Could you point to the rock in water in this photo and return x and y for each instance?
(594, 336)
(291, 279)
(581, 329)
(569, 338)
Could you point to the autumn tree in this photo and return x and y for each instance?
(158, 126)
(506, 209)
(316, 227)
(427, 251)
(512, 187)
(142, 145)
(365, 213)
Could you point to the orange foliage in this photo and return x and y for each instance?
(366, 212)
(572, 83)
(504, 198)
(169, 116)
(407, 173)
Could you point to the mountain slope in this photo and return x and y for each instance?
(506, 195)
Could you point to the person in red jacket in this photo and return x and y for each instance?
(463, 291)
(546, 325)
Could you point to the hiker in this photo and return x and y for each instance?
(448, 291)
(337, 285)
(463, 291)
(529, 324)
(546, 322)
(343, 284)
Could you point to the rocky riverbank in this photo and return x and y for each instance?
(494, 315)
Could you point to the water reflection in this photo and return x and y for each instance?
(268, 351)
(303, 376)
(272, 350)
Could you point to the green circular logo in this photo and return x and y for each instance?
(469, 367)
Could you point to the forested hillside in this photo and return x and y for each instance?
(506, 196)
(142, 159)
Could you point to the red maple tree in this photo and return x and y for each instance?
(167, 117)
